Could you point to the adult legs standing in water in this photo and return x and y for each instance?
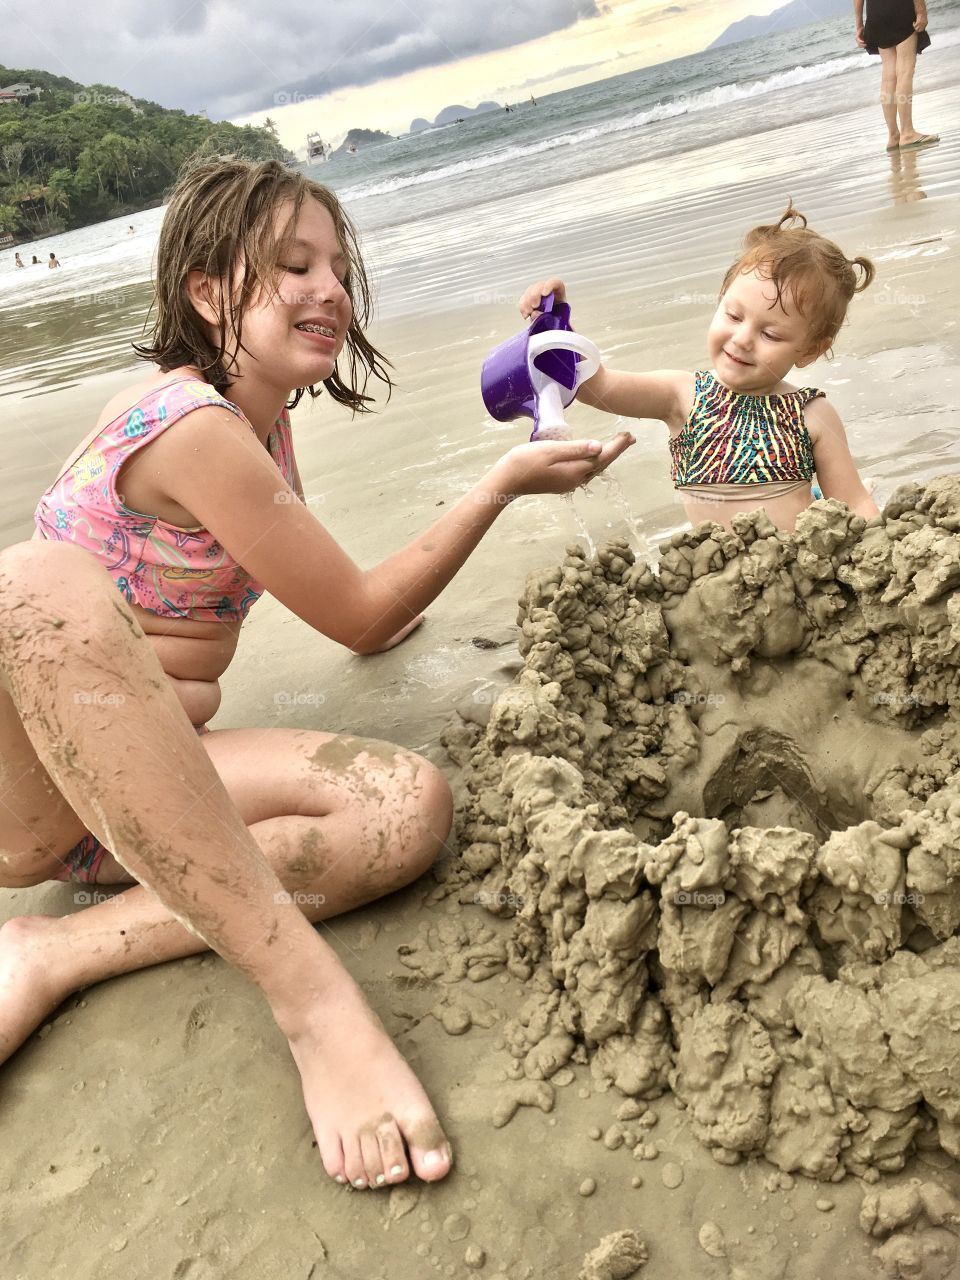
(904, 65)
(897, 31)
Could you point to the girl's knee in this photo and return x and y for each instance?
(21, 872)
(37, 570)
(434, 812)
(437, 799)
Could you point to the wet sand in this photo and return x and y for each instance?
(155, 1126)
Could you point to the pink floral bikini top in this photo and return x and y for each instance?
(173, 571)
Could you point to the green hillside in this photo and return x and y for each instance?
(75, 154)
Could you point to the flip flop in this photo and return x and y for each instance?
(894, 147)
(925, 140)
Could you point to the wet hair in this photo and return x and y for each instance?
(221, 221)
(813, 271)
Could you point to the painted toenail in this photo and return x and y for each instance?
(396, 1171)
(381, 1179)
(359, 1182)
(340, 1178)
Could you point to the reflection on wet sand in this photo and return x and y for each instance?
(905, 185)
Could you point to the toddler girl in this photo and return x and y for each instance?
(741, 436)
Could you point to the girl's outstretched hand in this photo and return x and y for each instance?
(530, 302)
(554, 466)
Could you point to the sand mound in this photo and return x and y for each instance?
(722, 806)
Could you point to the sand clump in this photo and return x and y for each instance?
(720, 805)
(617, 1257)
(921, 1221)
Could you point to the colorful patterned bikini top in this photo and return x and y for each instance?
(173, 571)
(733, 438)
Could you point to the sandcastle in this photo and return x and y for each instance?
(721, 803)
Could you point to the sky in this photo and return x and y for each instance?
(341, 64)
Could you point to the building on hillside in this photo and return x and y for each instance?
(18, 93)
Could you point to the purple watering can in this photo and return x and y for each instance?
(538, 372)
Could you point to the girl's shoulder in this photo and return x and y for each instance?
(788, 389)
(166, 394)
(819, 415)
(137, 410)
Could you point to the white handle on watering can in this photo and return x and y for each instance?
(561, 340)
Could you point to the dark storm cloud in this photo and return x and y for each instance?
(230, 58)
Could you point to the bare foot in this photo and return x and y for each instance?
(29, 991)
(401, 635)
(370, 1115)
(893, 142)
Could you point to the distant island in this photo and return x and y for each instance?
(356, 139)
(74, 154)
(449, 115)
(798, 13)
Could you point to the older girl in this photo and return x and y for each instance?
(173, 515)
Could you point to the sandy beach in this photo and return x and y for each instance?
(154, 1127)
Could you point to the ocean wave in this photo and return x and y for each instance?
(684, 104)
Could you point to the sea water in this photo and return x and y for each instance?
(599, 128)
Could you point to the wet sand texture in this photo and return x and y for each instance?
(722, 806)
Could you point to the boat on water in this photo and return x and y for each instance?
(317, 149)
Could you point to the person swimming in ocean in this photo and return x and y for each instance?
(741, 436)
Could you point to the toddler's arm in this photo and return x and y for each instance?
(836, 472)
(666, 394)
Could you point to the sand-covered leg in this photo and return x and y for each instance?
(130, 766)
